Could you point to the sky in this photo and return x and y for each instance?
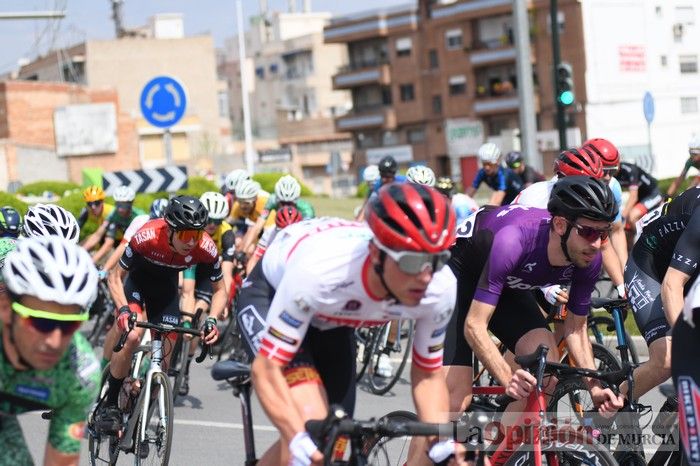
(91, 19)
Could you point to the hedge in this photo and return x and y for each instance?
(38, 188)
(267, 182)
(11, 200)
(666, 182)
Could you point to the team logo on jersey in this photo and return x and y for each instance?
(302, 304)
(688, 401)
(518, 284)
(436, 348)
(170, 319)
(128, 251)
(37, 393)
(136, 295)
(188, 259)
(281, 336)
(209, 246)
(352, 305)
(438, 332)
(289, 320)
(529, 266)
(145, 235)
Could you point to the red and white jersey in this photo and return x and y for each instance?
(134, 226)
(536, 195)
(319, 270)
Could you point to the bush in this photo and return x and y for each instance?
(666, 182)
(11, 200)
(38, 188)
(267, 182)
(362, 191)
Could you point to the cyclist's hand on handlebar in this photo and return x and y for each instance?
(123, 318)
(102, 274)
(521, 384)
(621, 291)
(556, 295)
(303, 451)
(606, 400)
(210, 333)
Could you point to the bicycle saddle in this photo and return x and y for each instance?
(224, 370)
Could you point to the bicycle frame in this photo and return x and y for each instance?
(156, 358)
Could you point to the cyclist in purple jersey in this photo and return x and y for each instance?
(503, 253)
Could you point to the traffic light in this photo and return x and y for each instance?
(565, 84)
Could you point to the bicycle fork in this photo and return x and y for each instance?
(156, 358)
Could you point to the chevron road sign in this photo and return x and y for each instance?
(168, 179)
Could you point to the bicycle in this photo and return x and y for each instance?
(103, 312)
(181, 353)
(231, 338)
(147, 407)
(380, 345)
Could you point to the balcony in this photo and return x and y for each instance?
(358, 74)
(376, 116)
(506, 101)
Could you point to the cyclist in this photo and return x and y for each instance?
(10, 222)
(462, 204)
(352, 276)
(610, 159)
(230, 182)
(504, 182)
(662, 265)
(153, 259)
(693, 161)
(284, 217)
(387, 174)
(420, 174)
(643, 195)
(47, 365)
(370, 175)
(247, 209)
(112, 229)
(95, 210)
(575, 162)
(501, 254)
(528, 175)
(50, 220)
(287, 192)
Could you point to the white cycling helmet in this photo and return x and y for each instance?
(694, 144)
(489, 153)
(51, 268)
(371, 174)
(287, 189)
(247, 190)
(51, 220)
(124, 194)
(216, 205)
(420, 174)
(234, 177)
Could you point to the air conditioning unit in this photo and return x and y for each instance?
(678, 30)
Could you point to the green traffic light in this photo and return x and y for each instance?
(566, 97)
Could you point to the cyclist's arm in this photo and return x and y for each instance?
(115, 279)
(683, 264)
(82, 218)
(95, 238)
(53, 457)
(220, 294)
(678, 181)
(188, 285)
(477, 335)
(104, 249)
(252, 234)
(631, 201)
(672, 293)
(497, 197)
(228, 247)
(611, 263)
(578, 343)
(619, 242)
(114, 257)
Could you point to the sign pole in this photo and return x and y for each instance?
(649, 110)
(168, 146)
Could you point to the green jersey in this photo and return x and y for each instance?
(305, 209)
(68, 390)
(117, 225)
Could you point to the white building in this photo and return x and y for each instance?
(634, 47)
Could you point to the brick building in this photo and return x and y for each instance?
(28, 138)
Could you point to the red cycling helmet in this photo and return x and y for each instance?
(412, 217)
(286, 216)
(609, 155)
(575, 162)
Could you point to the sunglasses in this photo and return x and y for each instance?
(189, 235)
(123, 205)
(249, 203)
(94, 203)
(612, 171)
(47, 322)
(590, 234)
(413, 263)
(213, 221)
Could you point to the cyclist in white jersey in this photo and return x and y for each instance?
(317, 280)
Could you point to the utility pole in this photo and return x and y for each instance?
(33, 15)
(526, 88)
(556, 59)
(249, 152)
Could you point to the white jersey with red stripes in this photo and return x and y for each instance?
(319, 269)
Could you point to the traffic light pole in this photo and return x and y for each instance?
(556, 59)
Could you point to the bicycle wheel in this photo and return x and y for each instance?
(155, 447)
(104, 449)
(599, 325)
(180, 354)
(604, 359)
(380, 385)
(227, 341)
(363, 340)
(561, 447)
(389, 451)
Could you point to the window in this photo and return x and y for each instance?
(260, 72)
(688, 63)
(403, 47)
(664, 60)
(458, 84)
(406, 91)
(685, 15)
(659, 13)
(222, 98)
(273, 68)
(453, 39)
(437, 104)
(433, 59)
(414, 135)
(689, 105)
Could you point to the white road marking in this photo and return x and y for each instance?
(221, 425)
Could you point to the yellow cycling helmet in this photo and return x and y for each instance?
(93, 193)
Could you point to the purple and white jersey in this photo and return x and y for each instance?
(507, 246)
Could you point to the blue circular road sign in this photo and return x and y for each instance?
(648, 107)
(163, 101)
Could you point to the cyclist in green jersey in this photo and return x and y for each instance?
(45, 364)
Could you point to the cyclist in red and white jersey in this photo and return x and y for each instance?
(351, 275)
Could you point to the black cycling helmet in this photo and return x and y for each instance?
(582, 196)
(387, 165)
(186, 213)
(514, 159)
(10, 222)
(445, 185)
